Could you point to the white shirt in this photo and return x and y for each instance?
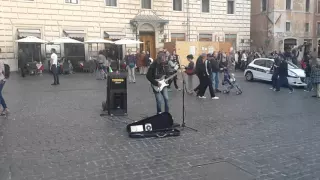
(54, 59)
(244, 57)
(236, 57)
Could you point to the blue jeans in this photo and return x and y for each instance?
(159, 95)
(215, 80)
(2, 102)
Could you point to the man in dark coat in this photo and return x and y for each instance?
(283, 74)
(215, 68)
(204, 72)
(275, 73)
(22, 60)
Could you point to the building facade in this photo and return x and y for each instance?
(153, 22)
(316, 26)
(282, 23)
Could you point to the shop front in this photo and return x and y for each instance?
(112, 51)
(29, 51)
(75, 52)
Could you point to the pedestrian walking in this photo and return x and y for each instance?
(190, 72)
(283, 75)
(22, 60)
(215, 68)
(204, 73)
(173, 65)
(131, 61)
(54, 67)
(275, 73)
(315, 77)
(307, 71)
(3, 76)
(243, 60)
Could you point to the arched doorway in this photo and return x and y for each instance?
(147, 36)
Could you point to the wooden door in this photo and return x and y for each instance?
(148, 44)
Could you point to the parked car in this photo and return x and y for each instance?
(260, 69)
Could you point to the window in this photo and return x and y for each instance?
(307, 27)
(146, 4)
(177, 5)
(288, 26)
(205, 5)
(318, 7)
(260, 63)
(230, 7)
(318, 28)
(111, 2)
(307, 5)
(269, 63)
(178, 37)
(205, 37)
(288, 4)
(263, 5)
(72, 1)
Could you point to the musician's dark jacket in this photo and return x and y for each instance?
(156, 71)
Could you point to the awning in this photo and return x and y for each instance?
(148, 16)
(75, 33)
(290, 41)
(29, 32)
(114, 35)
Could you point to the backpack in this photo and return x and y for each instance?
(6, 71)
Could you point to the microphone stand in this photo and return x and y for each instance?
(183, 125)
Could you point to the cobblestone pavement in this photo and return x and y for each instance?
(56, 133)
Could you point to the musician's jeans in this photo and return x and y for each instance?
(162, 95)
(131, 74)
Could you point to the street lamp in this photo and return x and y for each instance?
(135, 25)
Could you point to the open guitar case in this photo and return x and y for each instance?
(160, 126)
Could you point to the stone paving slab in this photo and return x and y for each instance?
(57, 133)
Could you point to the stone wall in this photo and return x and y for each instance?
(94, 17)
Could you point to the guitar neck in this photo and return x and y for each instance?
(170, 77)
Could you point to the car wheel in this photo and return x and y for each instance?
(249, 76)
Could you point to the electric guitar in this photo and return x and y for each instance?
(163, 83)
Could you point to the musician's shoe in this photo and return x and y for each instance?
(178, 89)
(215, 98)
(201, 97)
(218, 91)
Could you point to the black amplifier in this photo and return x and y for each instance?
(116, 102)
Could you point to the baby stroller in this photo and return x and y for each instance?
(229, 82)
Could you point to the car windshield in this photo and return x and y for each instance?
(292, 66)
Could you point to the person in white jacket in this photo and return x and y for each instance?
(243, 60)
(5, 110)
